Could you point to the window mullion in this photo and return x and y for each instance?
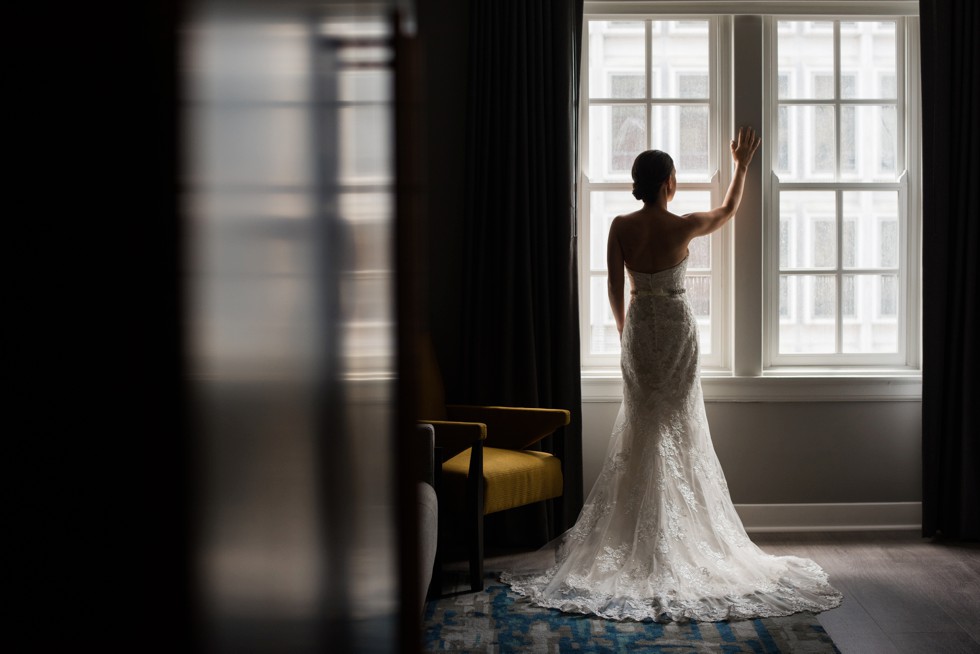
(837, 100)
(719, 75)
(839, 210)
(747, 109)
(911, 87)
(838, 196)
(648, 59)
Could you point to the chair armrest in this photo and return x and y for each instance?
(455, 436)
(512, 428)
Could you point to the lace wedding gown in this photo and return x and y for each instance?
(658, 537)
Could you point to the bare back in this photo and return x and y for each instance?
(651, 239)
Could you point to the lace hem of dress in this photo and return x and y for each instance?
(786, 599)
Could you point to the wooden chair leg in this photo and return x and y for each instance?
(435, 585)
(557, 509)
(476, 555)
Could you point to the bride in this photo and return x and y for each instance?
(658, 537)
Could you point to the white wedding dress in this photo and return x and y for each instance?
(658, 537)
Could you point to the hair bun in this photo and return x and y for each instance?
(643, 192)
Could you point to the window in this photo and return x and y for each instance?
(253, 187)
(652, 84)
(843, 268)
(836, 278)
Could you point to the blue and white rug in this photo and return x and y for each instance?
(496, 620)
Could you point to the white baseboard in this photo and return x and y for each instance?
(870, 516)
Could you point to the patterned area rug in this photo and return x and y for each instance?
(495, 620)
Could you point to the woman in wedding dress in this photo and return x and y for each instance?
(658, 537)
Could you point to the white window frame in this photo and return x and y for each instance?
(906, 355)
(716, 184)
(750, 301)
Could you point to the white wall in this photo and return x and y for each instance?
(798, 452)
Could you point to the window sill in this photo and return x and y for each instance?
(783, 385)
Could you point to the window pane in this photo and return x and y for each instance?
(364, 85)
(808, 311)
(848, 309)
(616, 136)
(869, 143)
(692, 156)
(251, 64)
(604, 206)
(870, 229)
(872, 325)
(603, 335)
(888, 85)
(849, 157)
(806, 53)
(682, 132)
(617, 65)
(808, 229)
(624, 85)
(888, 242)
(699, 254)
(806, 136)
(693, 85)
(680, 49)
(271, 145)
(365, 143)
(823, 242)
(888, 297)
(823, 85)
(782, 162)
(688, 201)
(867, 52)
(680, 71)
(699, 297)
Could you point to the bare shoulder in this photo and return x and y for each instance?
(625, 221)
(620, 224)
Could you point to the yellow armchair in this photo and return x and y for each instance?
(486, 464)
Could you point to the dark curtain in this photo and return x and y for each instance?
(520, 327)
(951, 249)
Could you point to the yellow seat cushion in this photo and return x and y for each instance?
(511, 478)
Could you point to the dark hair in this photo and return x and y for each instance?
(650, 170)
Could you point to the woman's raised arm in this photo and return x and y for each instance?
(743, 148)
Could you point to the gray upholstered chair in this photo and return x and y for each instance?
(428, 510)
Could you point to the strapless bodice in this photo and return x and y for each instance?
(663, 283)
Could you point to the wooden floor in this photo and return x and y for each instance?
(902, 593)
